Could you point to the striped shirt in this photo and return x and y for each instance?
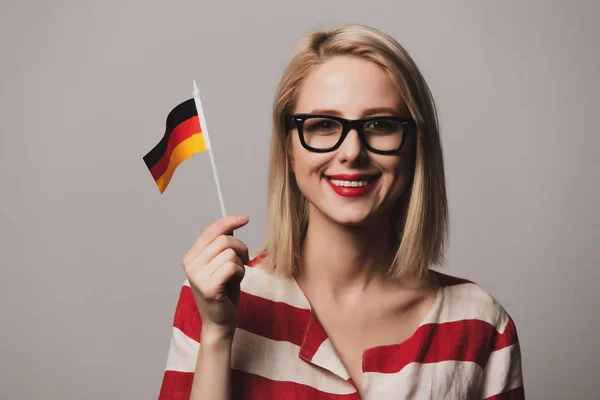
(465, 348)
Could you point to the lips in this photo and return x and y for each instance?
(352, 185)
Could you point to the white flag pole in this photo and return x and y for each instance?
(196, 94)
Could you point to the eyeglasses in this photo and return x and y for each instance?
(381, 135)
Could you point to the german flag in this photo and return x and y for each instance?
(183, 138)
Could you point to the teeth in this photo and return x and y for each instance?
(338, 182)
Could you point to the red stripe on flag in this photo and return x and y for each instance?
(179, 134)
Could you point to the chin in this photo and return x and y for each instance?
(351, 218)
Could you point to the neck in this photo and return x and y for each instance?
(345, 260)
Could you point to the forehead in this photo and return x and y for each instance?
(349, 85)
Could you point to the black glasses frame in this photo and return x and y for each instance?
(409, 124)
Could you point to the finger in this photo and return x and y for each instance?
(214, 230)
(204, 265)
(203, 278)
(221, 243)
(228, 272)
(218, 246)
(220, 227)
(227, 255)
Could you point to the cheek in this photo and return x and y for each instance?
(406, 164)
(304, 163)
(301, 168)
(400, 173)
(306, 168)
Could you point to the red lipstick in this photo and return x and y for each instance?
(352, 191)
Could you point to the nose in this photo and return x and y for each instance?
(351, 148)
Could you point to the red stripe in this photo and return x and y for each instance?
(465, 340)
(508, 337)
(250, 386)
(257, 259)
(176, 385)
(514, 394)
(187, 317)
(271, 319)
(181, 132)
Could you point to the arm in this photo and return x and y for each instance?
(199, 357)
(212, 377)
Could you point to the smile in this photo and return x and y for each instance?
(352, 185)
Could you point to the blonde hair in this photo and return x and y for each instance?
(421, 213)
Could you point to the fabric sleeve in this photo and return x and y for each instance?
(503, 378)
(183, 348)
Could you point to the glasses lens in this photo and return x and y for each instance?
(321, 133)
(384, 134)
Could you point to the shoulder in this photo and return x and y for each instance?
(463, 299)
(485, 333)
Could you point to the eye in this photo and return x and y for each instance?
(383, 126)
(321, 125)
(325, 125)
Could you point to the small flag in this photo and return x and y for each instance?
(183, 138)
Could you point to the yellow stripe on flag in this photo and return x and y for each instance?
(192, 145)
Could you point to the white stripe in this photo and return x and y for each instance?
(467, 301)
(327, 358)
(443, 380)
(279, 361)
(183, 352)
(503, 371)
(259, 283)
(275, 360)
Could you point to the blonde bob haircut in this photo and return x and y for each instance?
(421, 214)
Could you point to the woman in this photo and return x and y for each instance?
(341, 304)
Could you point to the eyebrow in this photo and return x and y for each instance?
(366, 113)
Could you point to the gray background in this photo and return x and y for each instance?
(91, 252)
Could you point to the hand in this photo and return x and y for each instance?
(215, 267)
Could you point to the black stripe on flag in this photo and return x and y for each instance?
(179, 114)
